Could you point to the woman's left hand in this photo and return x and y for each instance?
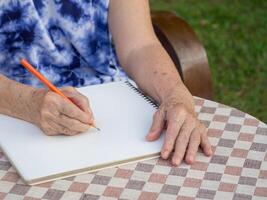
(184, 134)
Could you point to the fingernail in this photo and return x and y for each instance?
(191, 159)
(150, 134)
(210, 152)
(165, 154)
(176, 161)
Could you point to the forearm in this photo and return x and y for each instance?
(154, 72)
(16, 99)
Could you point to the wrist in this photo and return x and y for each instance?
(34, 101)
(17, 100)
(181, 95)
(24, 104)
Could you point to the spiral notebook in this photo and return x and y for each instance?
(122, 112)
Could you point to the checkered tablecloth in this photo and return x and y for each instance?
(237, 170)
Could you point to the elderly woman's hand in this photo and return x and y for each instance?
(56, 115)
(184, 134)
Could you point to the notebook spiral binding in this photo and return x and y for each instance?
(148, 99)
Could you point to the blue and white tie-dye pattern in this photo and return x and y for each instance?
(67, 40)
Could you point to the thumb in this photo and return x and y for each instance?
(156, 127)
(83, 104)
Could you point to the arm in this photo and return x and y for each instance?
(53, 114)
(186, 51)
(16, 99)
(137, 44)
(144, 60)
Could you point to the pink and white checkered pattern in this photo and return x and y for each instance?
(237, 170)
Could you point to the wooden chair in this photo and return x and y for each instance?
(186, 51)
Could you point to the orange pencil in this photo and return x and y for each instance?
(46, 82)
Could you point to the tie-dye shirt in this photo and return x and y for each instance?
(68, 41)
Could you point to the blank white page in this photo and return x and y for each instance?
(124, 118)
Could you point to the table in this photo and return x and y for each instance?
(237, 170)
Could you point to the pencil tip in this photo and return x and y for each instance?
(97, 128)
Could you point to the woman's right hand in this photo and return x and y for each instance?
(56, 115)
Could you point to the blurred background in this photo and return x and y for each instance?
(234, 34)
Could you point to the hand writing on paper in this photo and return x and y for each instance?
(184, 132)
(58, 116)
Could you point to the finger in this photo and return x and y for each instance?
(80, 100)
(193, 146)
(60, 129)
(48, 130)
(182, 141)
(157, 125)
(71, 110)
(205, 144)
(174, 125)
(52, 128)
(72, 124)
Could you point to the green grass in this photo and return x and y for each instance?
(234, 34)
